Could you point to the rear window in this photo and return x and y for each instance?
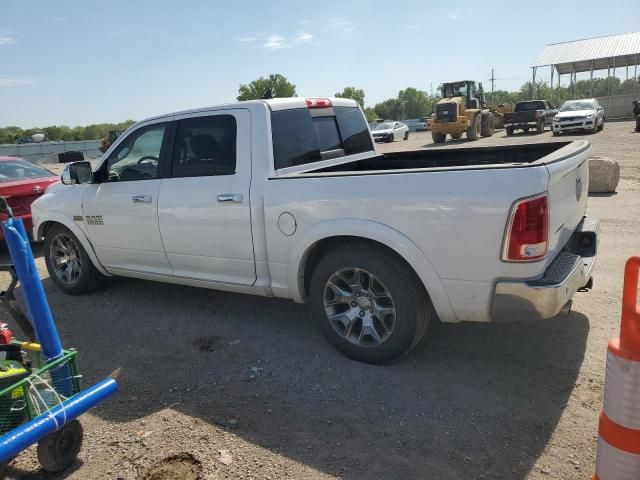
(528, 106)
(300, 138)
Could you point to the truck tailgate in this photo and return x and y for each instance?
(568, 189)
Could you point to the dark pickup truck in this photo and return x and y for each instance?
(531, 114)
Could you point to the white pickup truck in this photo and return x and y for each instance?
(289, 198)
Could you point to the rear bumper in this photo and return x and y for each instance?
(545, 297)
(461, 124)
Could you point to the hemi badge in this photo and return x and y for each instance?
(77, 218)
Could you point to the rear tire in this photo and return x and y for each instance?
(540, 125)
(473, 132)
(487, 127)
(68, 264)
(395, 287)
(556, 134)
(456, 136)
(438, 137)
(509, 131)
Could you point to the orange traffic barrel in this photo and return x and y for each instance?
(618, 456)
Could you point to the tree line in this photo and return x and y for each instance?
(409, 103)
(12, 134)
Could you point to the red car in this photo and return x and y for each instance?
(22, 182)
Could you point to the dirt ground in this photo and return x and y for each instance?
(228, 386)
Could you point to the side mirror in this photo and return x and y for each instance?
(77, 173)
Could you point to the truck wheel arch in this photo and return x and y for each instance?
(322, 237)
(80, 235)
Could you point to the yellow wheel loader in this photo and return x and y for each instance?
(462, 109)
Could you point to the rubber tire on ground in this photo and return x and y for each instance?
(487, 127)
(391, 138)
(526, 129)
(540, 125)
(601, 127)
(595, 129)
(58, 450)
(556, 134)
(90, 278)
(509, 131)
(473, 132)
(438, 137)
(456, 136)
(413, 307)
(406, 135)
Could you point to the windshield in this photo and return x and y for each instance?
(384, 126)
(14, 170)
(454, 89)
(578, 105)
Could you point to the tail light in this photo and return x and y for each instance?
(318, 103)
(528, 230)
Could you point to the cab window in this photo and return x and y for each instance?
(137, 156)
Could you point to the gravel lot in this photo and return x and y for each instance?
(250, 389)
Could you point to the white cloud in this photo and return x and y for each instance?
(275, 42)
(246, 39)
(454, 16)
(412, 27)
(303, 37)
(5, 39)
(339, 25)
(10, 81)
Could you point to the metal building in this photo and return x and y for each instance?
(592, 54)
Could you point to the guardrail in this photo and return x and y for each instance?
(37, 152)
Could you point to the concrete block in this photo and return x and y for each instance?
(604, 175)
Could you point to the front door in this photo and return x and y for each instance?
(204, 207)
(121, 212)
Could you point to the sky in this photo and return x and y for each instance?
(70, 62)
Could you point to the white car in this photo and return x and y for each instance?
(288, 198)
(390, 131)
(586, 114)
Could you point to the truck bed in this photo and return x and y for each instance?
(511, 156)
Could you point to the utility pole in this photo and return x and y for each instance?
(493, 79)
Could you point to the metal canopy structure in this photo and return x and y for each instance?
(587, 55)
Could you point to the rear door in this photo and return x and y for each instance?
(204, 206)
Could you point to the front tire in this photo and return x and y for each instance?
(368, 304)
(68, 264)
(509, 130)
(57, 451)
(406, 135)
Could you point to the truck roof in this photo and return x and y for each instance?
(274, 104)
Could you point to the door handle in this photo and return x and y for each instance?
(141, 199)
(230, 198)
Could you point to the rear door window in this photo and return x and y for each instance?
(300, 137)
(205, 146)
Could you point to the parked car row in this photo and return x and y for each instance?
(573, 115)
